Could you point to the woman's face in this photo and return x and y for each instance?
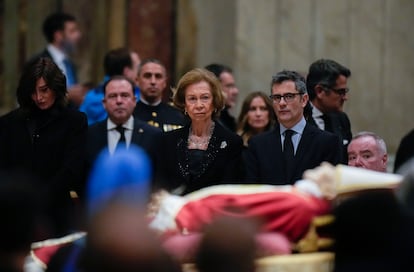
(199, 101)
(43, 96)
(258, 114)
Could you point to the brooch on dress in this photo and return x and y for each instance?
(223, 144)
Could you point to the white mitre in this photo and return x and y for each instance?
(342, 179)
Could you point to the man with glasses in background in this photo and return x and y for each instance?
(225, 75)
(327, 87)
(280, 156)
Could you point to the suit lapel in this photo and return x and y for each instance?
(102, 142)
(336, 126)
(137, 132)
(311, 121)
(274, 149)
(304, 143)
(98, 140)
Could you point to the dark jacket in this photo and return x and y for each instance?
(221, 162)
(341, 127)
(405, 150)
(143, 135)
(50, 145)
(227, 120)
(264, 158)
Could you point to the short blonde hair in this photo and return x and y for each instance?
(194, 76)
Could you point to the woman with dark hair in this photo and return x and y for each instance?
(202, 153)
(46, 139)
(256, 116)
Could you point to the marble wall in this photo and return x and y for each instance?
(259, 38)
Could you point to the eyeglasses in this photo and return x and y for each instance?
(289, 97)
(341, 92)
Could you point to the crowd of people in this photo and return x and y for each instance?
(60, 129)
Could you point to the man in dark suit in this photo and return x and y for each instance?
(280, 156)
(152, 80)
(62, 33)
(119, 61)
(327, 87)
(120, 127)
(225, 75)
(405, 151)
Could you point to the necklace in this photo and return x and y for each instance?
(199, 142)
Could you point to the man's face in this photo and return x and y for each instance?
(363, 152)
(70, 36)
(152, 80)
(288, 113)
(331, 99)
(229, 87)
(119, 100)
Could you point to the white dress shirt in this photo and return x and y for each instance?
(317, 116)
(298, 129)
(114, 136)
(58, 56)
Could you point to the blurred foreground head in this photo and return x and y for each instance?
(405, 192)
(119, 241)
(123, 177)
(373, 229)
(20, 210)
(118, 235)
(228, 245)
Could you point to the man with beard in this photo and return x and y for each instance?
(62, 33)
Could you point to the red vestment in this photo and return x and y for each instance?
(289, 213)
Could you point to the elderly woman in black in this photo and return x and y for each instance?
(202, 153)
(46, 139)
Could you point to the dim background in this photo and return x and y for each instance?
(256, 38)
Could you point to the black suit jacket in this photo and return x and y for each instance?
(405, 150)
(341, 127)
(264, 158)
(143, 135)
(221, 162)
(227, 120)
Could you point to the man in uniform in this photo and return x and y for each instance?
(152, 80)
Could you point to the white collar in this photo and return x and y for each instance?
(147, 103)
(56, 53)
(298, 128)
(129, 125)
(316, 113)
